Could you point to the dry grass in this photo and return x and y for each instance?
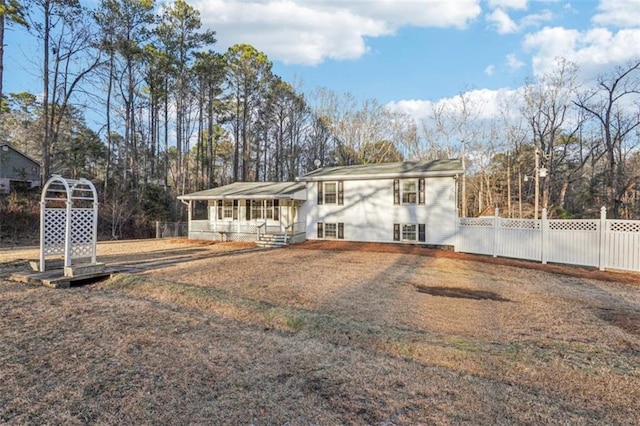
(305, 335)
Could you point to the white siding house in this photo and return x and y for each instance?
(247, 211)
(411, 202)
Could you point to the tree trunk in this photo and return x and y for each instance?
(45, 93)
(2, 20)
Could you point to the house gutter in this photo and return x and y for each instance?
(239, 197)
(444, 173)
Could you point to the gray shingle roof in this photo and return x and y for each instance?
(387, 170)
(250, 190)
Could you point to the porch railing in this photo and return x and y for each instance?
(295, 228)
(259, 228)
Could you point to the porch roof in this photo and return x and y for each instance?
(403, 169)
(251, 190)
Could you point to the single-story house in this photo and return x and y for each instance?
(17, 169)
(411, 202)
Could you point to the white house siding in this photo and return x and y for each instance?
(368, 212)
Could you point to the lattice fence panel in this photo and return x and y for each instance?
(81, 233)
(519, 223)
(573, 225)
(623, 226)
(55, 221)
(476, 223)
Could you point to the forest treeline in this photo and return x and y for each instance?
(174, 116)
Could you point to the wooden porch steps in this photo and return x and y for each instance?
(272, 240)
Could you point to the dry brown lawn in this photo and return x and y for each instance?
(320, 334)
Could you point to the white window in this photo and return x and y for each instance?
(331, 192)
(228, 209)
(331, 230)
(256, 209)
(269, 209)
(409, 232)
(409, 191)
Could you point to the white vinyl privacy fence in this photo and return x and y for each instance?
(602, 243)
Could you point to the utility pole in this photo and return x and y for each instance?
(537, 177)
(463, 190)
(509, 186)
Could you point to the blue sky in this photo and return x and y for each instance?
(407, 53)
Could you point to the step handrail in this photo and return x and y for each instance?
(258, 229)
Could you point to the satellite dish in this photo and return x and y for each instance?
(317, 162)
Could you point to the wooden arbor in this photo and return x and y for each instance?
(69, 222)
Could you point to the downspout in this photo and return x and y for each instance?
(188, 204)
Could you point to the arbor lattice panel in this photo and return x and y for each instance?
(55, 221)
(82, 233)
(70, 230)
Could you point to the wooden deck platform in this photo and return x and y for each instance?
(57, 279)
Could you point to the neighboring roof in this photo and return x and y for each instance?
(387, 170)
(3, 144)
(251, 190)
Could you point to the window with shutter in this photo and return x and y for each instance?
(409, 232)
(409, 191)
(396, 191)
(330, 230)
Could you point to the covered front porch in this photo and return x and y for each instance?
(263, 212)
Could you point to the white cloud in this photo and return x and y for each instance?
(416, 108)
(513, 62)
(485, 104)
(310, 31)
(594, 51)
(536, 19)
(508, 4)
(502, 22)
(489, 70)
(620, 13)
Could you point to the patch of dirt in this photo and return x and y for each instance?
(628, 321)
(461, 293)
